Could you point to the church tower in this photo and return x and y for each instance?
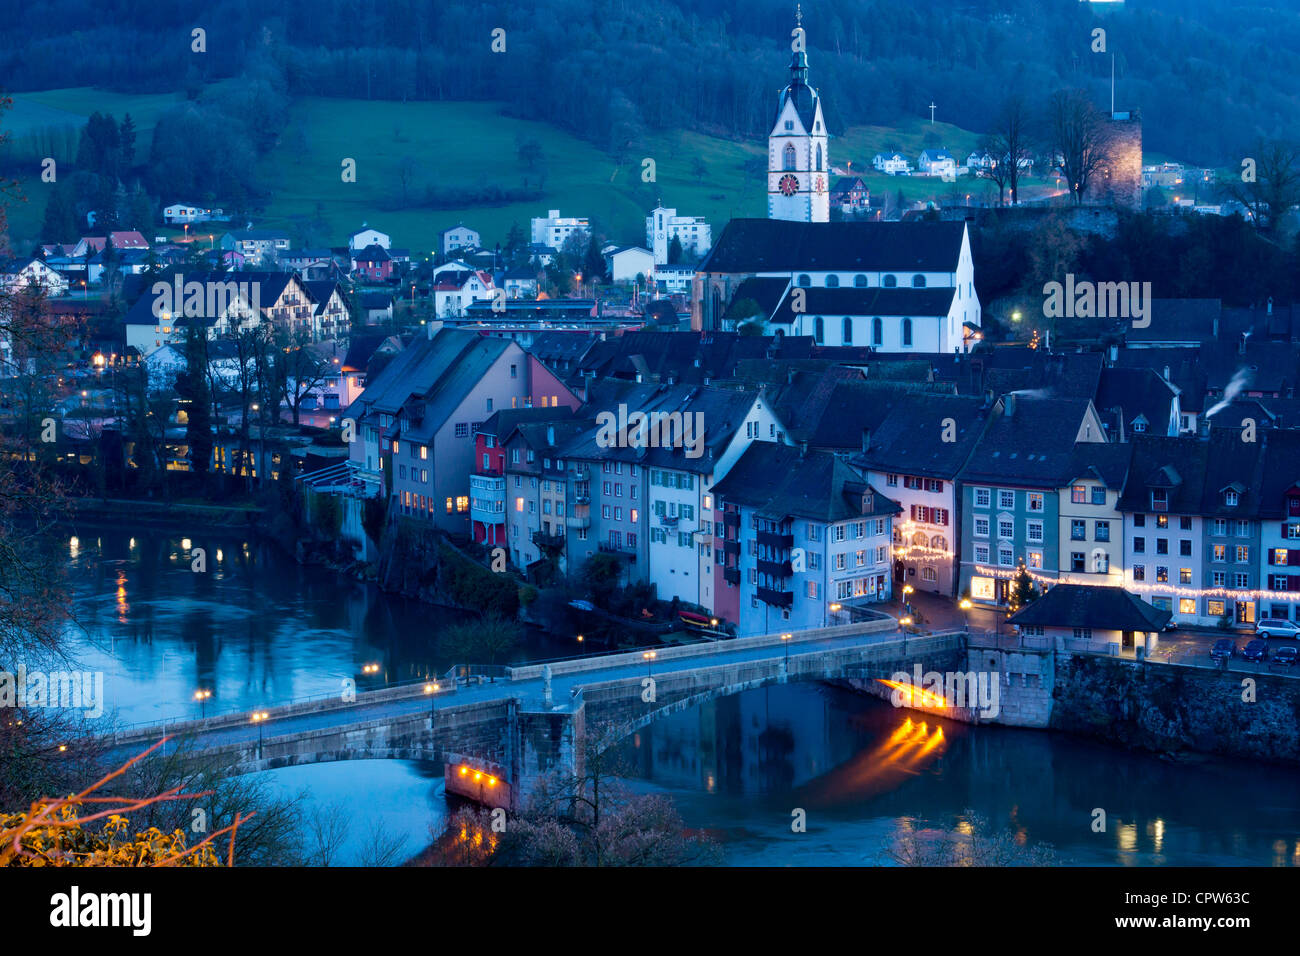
(798, 165)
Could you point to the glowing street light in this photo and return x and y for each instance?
(432, 691)
(202, 697)
(785, 643)
(258, 717)
(966, 606)
(648, 657)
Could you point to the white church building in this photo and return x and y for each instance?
(889, 286)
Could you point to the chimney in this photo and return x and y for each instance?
(803, 448)
(789, 376)
(1241, 346)
(550, 435)
(866, 440)
(1114, 354)
(1166, 376)
(1270, 305)
(1009, 405)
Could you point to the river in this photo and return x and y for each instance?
(257, 629)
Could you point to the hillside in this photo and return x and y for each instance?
(463, 147)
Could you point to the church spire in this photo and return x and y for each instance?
(799, 57)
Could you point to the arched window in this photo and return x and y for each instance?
(907, 331)
(716, 300)
(890, 281)
(848, 331)
(804, 281)
(939, 543)
(918, 281)
(859, 281)
(789, 156)
(877, 332)
(819, 158)
(832, 281)
(920, 539)
(819, 330)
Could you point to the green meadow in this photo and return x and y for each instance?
(460, 149)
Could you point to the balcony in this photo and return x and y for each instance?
(548, 542)
(731, 547)
(669, 520)
(581, 517)
(781, 542)
(776, 569)
(776, 598)
(487, 495)
(731, 575)
(731, 519)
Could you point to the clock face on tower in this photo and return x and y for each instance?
(788, 185)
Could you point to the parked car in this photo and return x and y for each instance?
(1268, 627)
(1286, 656)
(1256, 650)
(1223, 648)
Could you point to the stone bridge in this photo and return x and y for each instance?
(529, 723)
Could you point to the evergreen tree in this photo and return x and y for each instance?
(126, 141)
(60, 223)
(192, 387)
(1023, 590)
(593, 263)
(675, 251)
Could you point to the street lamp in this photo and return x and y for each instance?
(580, 638)
(258, 717)
(432, 690)
(202, 697)
(648, 657)
(965, 606)
(785, 643)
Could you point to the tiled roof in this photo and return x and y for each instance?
(1092, 606)
(909, 440)
(779, 482)
(774, 245)
(1029, 443)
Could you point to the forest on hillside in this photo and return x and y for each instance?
(1208, 76)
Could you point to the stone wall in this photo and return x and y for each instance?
(1171, 708)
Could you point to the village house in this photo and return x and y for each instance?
(459, 237)
(366, 236)
(259, 247)
(803, 539)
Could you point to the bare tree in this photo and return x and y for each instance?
(327, 831)
(1009, 145)
(1077, 130)
(1274, 186)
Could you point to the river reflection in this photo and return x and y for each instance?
(861, 770)
(254, 628)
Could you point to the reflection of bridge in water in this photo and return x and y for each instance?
(532, 720)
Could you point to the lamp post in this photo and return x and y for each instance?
(907, 597)
(648, 657)
(202, 697)
(965, 606)
(785, 644)
(258, 717)
(432, 691)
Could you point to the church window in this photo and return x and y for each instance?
(918, 281)
(832, 281)
(789, 156)
(819, 159)
(804, 281)
(907, 331)
(877, 332)
(890, 281)
(848, 331)
(789, 124)
(860, 281)
(819, 330)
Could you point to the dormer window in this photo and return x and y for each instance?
(1159, 499)
(1230, 498)
(789, 124)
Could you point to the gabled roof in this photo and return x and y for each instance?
(722, 410)
(775, 245)
(1092, 606)
(779, 482)
(909, 439)
(1178, 320)
(1029, 442)
(1107, 462)
(1134, 394)
(437, 373)
(501, 423)
(373, 253)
